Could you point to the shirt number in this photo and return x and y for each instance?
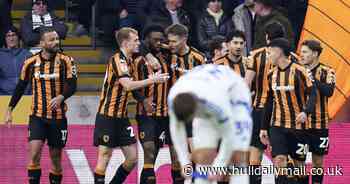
(302, 150)
(64, 135)
(131, 131)
(324, 143)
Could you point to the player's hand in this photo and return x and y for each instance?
(182, 70)
(159, 77)
(309, 75)
(56, 102)
(331, 78)
(301, 117)
(8, 117)
(148, 105)
(264, 137)
(123, 14)
(164, 46)
(153, 61)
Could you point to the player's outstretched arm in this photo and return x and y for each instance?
(131, 85)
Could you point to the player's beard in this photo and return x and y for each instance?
(53, 50)
(155, 48)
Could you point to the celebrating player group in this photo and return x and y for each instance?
(216, 112)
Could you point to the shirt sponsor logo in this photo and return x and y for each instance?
(282, 88)
(38, 75)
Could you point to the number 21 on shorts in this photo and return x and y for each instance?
(302, 149)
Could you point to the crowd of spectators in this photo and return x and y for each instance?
(205, 20)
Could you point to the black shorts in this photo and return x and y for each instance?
(55, 131)
(155, 129)
(113, 132)
(285, 141)
(318, 141)
(255, 140)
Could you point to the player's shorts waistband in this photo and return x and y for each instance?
(111, 118)
(48, 119)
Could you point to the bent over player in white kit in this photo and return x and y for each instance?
(219, 102)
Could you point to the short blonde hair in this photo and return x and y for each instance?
(124, 34)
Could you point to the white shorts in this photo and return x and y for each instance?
(206, 134)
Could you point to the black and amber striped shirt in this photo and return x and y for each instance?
(261, 65)
(157, 92)
(288, 91)
(324, 77)
(238, 66)
(181, 64)
(114, 99)
(48, 79)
